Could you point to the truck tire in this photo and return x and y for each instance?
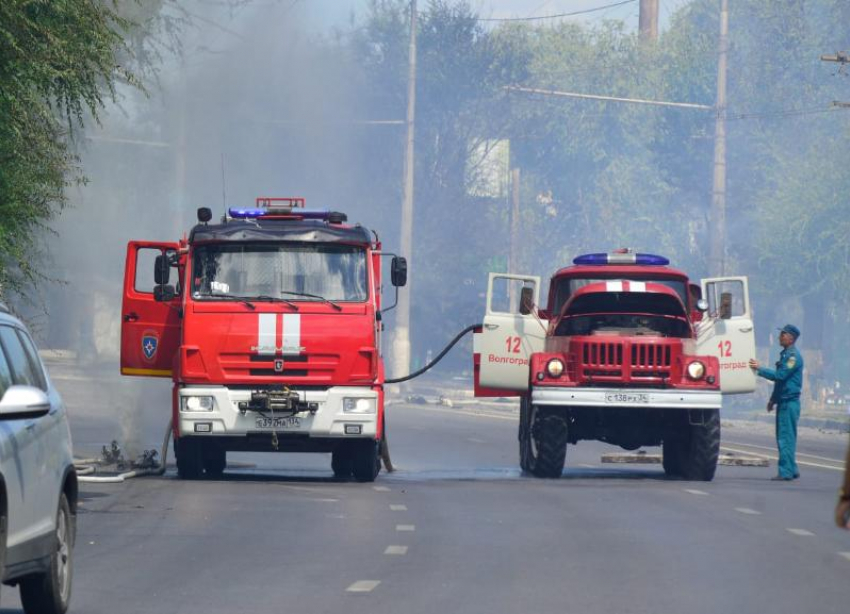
(214, 460)
(527, 446)
(694, 453)
(50, 592)
(549, 432)
(190, 460)
(365, 460)
(341, 462)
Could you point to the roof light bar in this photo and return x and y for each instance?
(253, 213)
(621, 257)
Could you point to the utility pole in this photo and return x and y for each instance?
(513, 256)
(648, 21)
(401, 339)
(842, 58)
(717, 234)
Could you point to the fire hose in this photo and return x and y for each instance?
(439, 357)
(86, 467)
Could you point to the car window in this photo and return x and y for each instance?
(35, 362)
(23, 373)
(5, 375)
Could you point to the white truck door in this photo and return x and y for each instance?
(727, 332)
(508, 337)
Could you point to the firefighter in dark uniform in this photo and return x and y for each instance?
(788, 378)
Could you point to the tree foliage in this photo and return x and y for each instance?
(59, 64)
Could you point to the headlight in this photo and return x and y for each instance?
(196, 404)
(555, 367)
(352, 405)
(696, 370)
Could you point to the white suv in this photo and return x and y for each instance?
(38, 484)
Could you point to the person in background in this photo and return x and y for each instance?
(842, 508)
(788, 378)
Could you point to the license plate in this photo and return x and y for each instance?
(282, 424)
(626, 397)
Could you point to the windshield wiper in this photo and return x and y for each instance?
(315, 296)
(275, 299)
(247, 300)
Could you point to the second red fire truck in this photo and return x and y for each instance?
(269, 326)
(626, 350)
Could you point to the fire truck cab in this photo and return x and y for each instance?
(626, 351)
(269, 326)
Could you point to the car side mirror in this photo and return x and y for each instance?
(161, 270)
(24, 401)
(398, 271)
(164, 293)
(702, 305)
(526, 300)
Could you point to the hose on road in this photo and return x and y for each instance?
(439, 357)
(87, 466)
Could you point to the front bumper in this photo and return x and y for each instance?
(626, 397)
(328, 421)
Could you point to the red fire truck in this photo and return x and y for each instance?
(626, 351)
(270, 332)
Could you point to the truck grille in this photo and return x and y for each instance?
(624, 361)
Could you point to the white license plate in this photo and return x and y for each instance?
(282, 424)
(626, 397)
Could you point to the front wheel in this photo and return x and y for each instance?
(50, 592)
(693, 452)
(190, 459)
(341, 462)
(527, 447)
(214, 460)
(549, 442)
(366, 460)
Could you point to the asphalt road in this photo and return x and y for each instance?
(457, 529)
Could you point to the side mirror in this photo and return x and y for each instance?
(702, 305)
(161, 270)
(398, 271)
(526, 300)
(164, 293)
(24, 401)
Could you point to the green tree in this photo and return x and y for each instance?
(59, 64)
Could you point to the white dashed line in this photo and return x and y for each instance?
(800, 532)
(381, 488)
(746, 510)
(405, 527)
(846, 555)
(475, 440)
(396, 550)
(363, 586)
(587, 466)
(694, 491)
(398, 508)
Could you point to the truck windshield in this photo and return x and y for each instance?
(295, 272)
(625, 313)
(566, 287)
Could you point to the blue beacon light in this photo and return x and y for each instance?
(621, 258)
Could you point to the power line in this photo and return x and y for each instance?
(572, 14)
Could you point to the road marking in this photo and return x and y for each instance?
(693, 491)
(469, 413)
(746, 510)
(363, 586)
(846, 555)
(800, 532)
(323, 500)
(381, 488)
(475, 440)
(398, 508)
(405, 527)
(396, 550)
(587, 465)
(752, 445)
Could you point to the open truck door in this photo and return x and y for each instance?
(150, 313)
(511, 333)
(726, 331)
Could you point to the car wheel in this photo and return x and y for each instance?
(50, 592)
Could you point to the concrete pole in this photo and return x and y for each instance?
(513, 257)
(401, 339)
(717, 231)
(648, 21)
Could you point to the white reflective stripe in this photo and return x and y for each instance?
(637, 286)
(291, 333)
(614, 286)
(266, 333)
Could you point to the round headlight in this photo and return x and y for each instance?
(696, 370)
(555, 367)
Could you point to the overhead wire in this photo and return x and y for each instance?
(558, 15)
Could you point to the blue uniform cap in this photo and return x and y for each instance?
(791, 330)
